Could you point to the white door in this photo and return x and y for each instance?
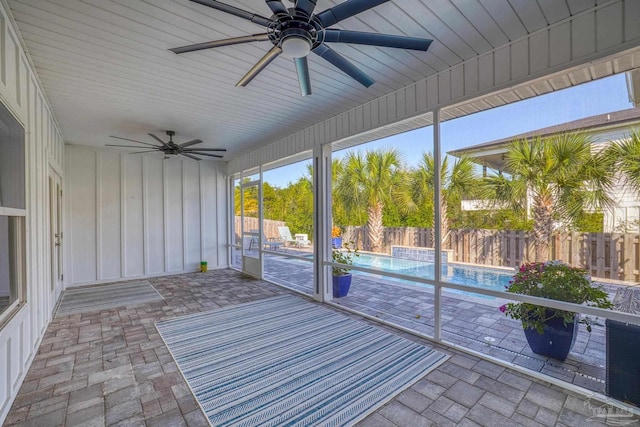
(251, 228)
(56, 237)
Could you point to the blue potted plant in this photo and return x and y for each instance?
(341, 275)
(552, 332)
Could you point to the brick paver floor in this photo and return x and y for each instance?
(471, 321)
(111, 368)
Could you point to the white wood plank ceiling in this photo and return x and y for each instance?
(106, 70)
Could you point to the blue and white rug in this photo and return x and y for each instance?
(285, 361)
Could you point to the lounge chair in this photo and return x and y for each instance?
(285, 237)
(271, 243)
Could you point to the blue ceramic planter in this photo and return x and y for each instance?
(336, 242)
(556, 340)
(341, 285)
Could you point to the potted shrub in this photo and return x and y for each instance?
(341, 275)
(336, 239)
(549, 331)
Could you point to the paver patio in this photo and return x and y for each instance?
(112, 368)
(472, 321)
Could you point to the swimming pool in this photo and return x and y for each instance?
(477, 277)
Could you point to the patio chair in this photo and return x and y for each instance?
(285, 237)
(271, 243)
(254, 239)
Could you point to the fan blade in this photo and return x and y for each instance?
(256, 19)
(277, 7)
(219, 43)
(374, 39)
(131, 146)
(260, 65)
(188, 143)
(340, 62)
(205, 154)
(204, 149)
(305, 6)
(164, 144)
(132, 140)
(345, 10)
(302, 67)
(146, 151)
(190, 156)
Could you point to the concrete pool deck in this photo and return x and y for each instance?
(474, 322)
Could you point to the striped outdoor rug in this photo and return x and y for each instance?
(96, 298)
(284, 361)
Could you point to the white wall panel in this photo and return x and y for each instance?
(631, 12)
(151, 216)
(444, 87)
(174, 212)
(486, 65)
(608, 31)
(12, 52)
(81, 210)
(21, 94)
(154, 214)
(539, 52)
(421, 97)
(500, 67)
(192, 209)
(519, 59)
(109, 186)
(457, 81)
(132, 214)
(583, 35)
(432, 92)
(471, 76)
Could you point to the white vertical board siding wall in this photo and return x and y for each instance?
(587, 36)
(20, 92)
(136, 216)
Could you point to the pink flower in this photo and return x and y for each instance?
(503, 308)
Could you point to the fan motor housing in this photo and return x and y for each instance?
(301, 29)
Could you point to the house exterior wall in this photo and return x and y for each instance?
(624, 215)
(22, 94)
(131, 216)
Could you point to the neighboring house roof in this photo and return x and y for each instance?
(490, 153)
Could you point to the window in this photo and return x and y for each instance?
(12, 214)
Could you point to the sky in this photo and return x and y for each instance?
(589, 99)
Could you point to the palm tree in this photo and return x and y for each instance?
(369, 181)
(557, 178)
(626, 156)
(457, 180)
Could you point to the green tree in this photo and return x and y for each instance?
(625, 155)
(457, 181)
(298, 206)
(250, 201)
(368, 181)
(555, 179)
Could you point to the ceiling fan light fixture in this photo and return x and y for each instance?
(295, 47)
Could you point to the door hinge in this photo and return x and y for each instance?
(62, 277)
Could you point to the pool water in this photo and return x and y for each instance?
(478, 277)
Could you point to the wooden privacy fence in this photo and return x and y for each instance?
(604, 255)
(270, 227)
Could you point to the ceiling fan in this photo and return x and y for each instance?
(171, 147)
(297, 31)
